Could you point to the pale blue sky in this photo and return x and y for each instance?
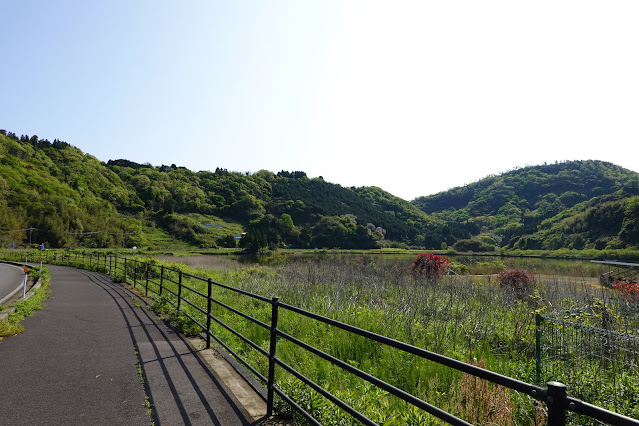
(412, 96)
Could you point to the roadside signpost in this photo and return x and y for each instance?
(24, 288)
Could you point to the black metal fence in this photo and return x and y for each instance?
(599, 363)
(178, 288)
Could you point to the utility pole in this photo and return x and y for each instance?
(31, 228)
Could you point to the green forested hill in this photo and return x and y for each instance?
(576, 204)
(53, 193)
(63, 194)
(395, 219)
(71, 199)
(283, 208)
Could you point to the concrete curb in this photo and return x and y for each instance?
(9, 310)
(19, 288)
(11, 295)
(5, 314)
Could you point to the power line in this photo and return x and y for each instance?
(17, 230)
(69, 232)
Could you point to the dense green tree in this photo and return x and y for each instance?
(473, 245)
(254, 241)
(290, 234)
(227, 241)
(629, 233)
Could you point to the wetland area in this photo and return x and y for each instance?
(466, 316)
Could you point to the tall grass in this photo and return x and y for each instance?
(455, 316)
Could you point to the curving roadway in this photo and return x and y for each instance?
(10, 278)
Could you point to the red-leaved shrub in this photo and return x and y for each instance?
(629, 289)
(429, 266)
(517, 280)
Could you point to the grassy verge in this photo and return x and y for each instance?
(24, 308)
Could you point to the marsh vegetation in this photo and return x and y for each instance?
(466, 316)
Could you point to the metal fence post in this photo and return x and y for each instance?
(208, 313)
(135, 271)
(125, 269)
(161, 278)
(556, 402)
(270, 400)
(538, 320)
(146, 287)
(179, 295)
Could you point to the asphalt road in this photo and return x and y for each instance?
(95, 356)
(10, 277)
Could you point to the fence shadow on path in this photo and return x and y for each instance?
(180, 387)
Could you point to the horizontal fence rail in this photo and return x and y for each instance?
(178, 289)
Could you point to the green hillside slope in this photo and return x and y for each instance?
(286, 208)
(63, 195)
(576, 204)
(53, 193)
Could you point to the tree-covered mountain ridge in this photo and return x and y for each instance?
(572, 204)
(53, 193)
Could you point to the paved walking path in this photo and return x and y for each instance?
(77, 363)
